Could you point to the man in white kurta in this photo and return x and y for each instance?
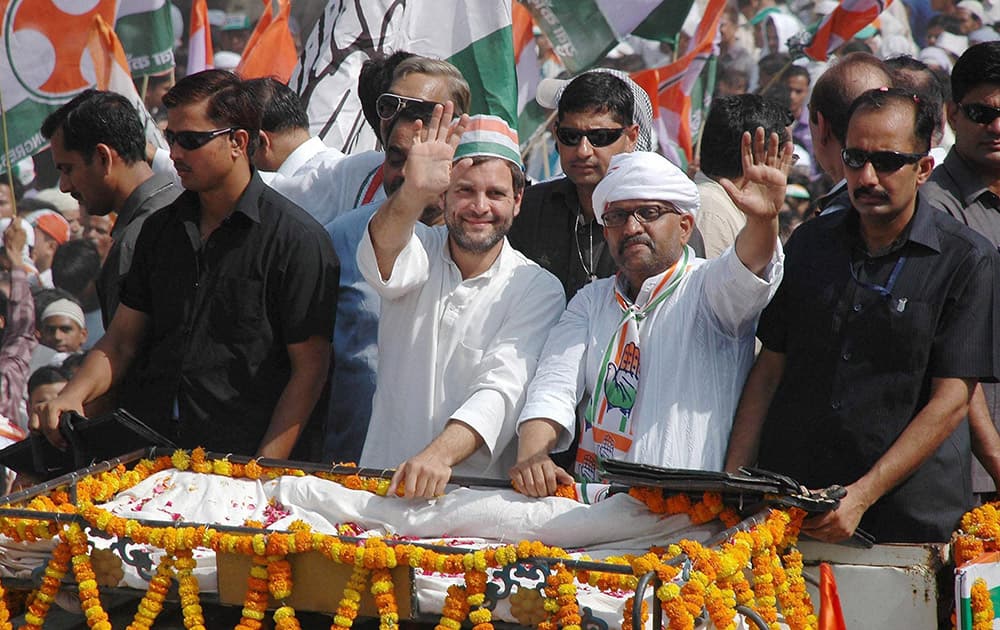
(463, 314)
(649, 364)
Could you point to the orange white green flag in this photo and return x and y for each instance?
(270, 51)
(682, 91)
(582, 32)
(111, 73)
(841, 24)
(199, 39)
(43, 63)
(474, 35)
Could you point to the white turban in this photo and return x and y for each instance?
(648, 177)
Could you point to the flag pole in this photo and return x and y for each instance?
(145, 86)
(6, 153)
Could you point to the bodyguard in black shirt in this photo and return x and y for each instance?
(227, 313)
(883, 324)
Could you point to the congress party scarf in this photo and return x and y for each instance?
(608, 426)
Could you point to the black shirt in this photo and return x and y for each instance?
(156, 192)
(221, 314)
(863, 336)
(548, 231)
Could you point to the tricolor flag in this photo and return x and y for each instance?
(472, 34)
(200, 39)
(111, 73)
(43, 64)
(841, 25)
(270, 51)
(582, 32)
(683, 89)
(147, 35)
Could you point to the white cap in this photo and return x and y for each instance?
(65, 308)
(974, 7)
(954, 44)
(225, 60)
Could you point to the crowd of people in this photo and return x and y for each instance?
(815, 293)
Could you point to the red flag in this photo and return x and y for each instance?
(199, 39)
(830, 615)
(270, 52)
(841, 25)
(673, 83)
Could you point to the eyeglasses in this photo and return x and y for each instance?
(979, 113)
(642, 214)
(389, 106)
(883, 161)
(191, 140)
(596, 137)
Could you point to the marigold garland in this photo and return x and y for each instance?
(152, 602)
(982, 606)
(90, 597)
(716, 577)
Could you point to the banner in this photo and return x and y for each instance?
(270, 51)
(43, 64)
(473, 35)
(147, 34)
(583, 31)
(841, 25)
(684, 89)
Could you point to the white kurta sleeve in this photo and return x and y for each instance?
(410, 270)
(736, 295)
(560, 380)
(508, 364)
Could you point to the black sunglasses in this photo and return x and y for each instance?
(883, 161)
(979, 113)
(596, 137)
(642, 214)
(389, 106)
(191, 140)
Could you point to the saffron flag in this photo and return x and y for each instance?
(475, 36)
(841, 25)
(43, 64)
(831, 617)
(112, 73)
(270, 51)
(200, 39)
(147, 35)
(682, 91)
(582, 32)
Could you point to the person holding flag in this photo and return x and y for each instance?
(658, 353)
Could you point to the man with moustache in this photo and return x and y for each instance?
(98, 147)
(647, 366)
(418, 84)
(463, 314)
(226, 315)
(874, 342)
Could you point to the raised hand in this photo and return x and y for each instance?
(765, 175)
(429, 164)
(14, 238)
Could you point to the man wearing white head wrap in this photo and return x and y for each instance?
(463, 315)
(654, 359)
(599, 114)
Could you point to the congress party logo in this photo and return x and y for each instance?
(46, 44)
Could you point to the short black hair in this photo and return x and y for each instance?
(796, 71)
(46, 375)
(924, 114)
(374, 80)
(915, 76)
(230, 102)
(96, 117)
(727, 119)
(598, 92)
(979, 64)
(75, 265)
(282, 109)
